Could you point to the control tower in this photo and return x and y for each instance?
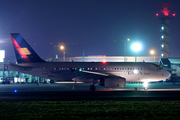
(165, 29)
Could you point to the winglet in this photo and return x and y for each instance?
(24, 52)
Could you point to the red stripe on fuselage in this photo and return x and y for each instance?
(20, 51)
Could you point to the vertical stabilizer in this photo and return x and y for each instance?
(24, 52)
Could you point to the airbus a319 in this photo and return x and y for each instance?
(108, 74)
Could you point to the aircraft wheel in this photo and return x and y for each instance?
(92, 87)
(145, 88)
(51, 81)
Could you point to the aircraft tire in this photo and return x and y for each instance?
(145, 88)
(92, 87)
(51, 81)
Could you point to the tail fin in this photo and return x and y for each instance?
(24, 52)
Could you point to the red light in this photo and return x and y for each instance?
(166, 14)
(104, 61)
(173, 14)
(157, 14)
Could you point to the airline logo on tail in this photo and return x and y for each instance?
(24, 52)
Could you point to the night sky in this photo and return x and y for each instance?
(99, 26)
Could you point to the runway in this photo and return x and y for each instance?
(72, 91)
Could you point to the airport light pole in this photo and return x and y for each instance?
(136, 47)
(152, 52)
(62, 48)
(125, 49)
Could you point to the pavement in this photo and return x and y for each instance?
(72, 91)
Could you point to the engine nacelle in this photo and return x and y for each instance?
(112, 82)
(84, 80)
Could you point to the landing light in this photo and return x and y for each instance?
(145, 84)
(135, 71)
(15, 91)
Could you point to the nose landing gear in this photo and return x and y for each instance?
(145, 84)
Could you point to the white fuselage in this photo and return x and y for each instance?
(131, 71)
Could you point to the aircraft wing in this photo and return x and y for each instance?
(94, 75)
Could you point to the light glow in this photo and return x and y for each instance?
(162, 36)
(162, 45)
(62, 47)
(104, 61)
(145, 84)
(162, 27)
(136, 47)
(135, 71)
(152, 52)
(173, 14)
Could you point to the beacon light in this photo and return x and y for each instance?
(104, 61)
(80, 70)
(173, 14)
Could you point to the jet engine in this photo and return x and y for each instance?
(84, 80)
(112, 82)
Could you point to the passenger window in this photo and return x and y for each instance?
(122, 68)
(101, 68)
(117, 68)
(59, 68)
(108, 68)
(114, 68)
(54, 68)
(96, 68)
(90, 68)
(104, 68)
(130, 68)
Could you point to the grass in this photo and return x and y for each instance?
(90, 110)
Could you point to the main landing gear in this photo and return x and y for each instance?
(92, 87)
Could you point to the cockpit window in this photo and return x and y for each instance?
(158, 67)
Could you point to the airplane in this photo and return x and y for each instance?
(107, 74)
